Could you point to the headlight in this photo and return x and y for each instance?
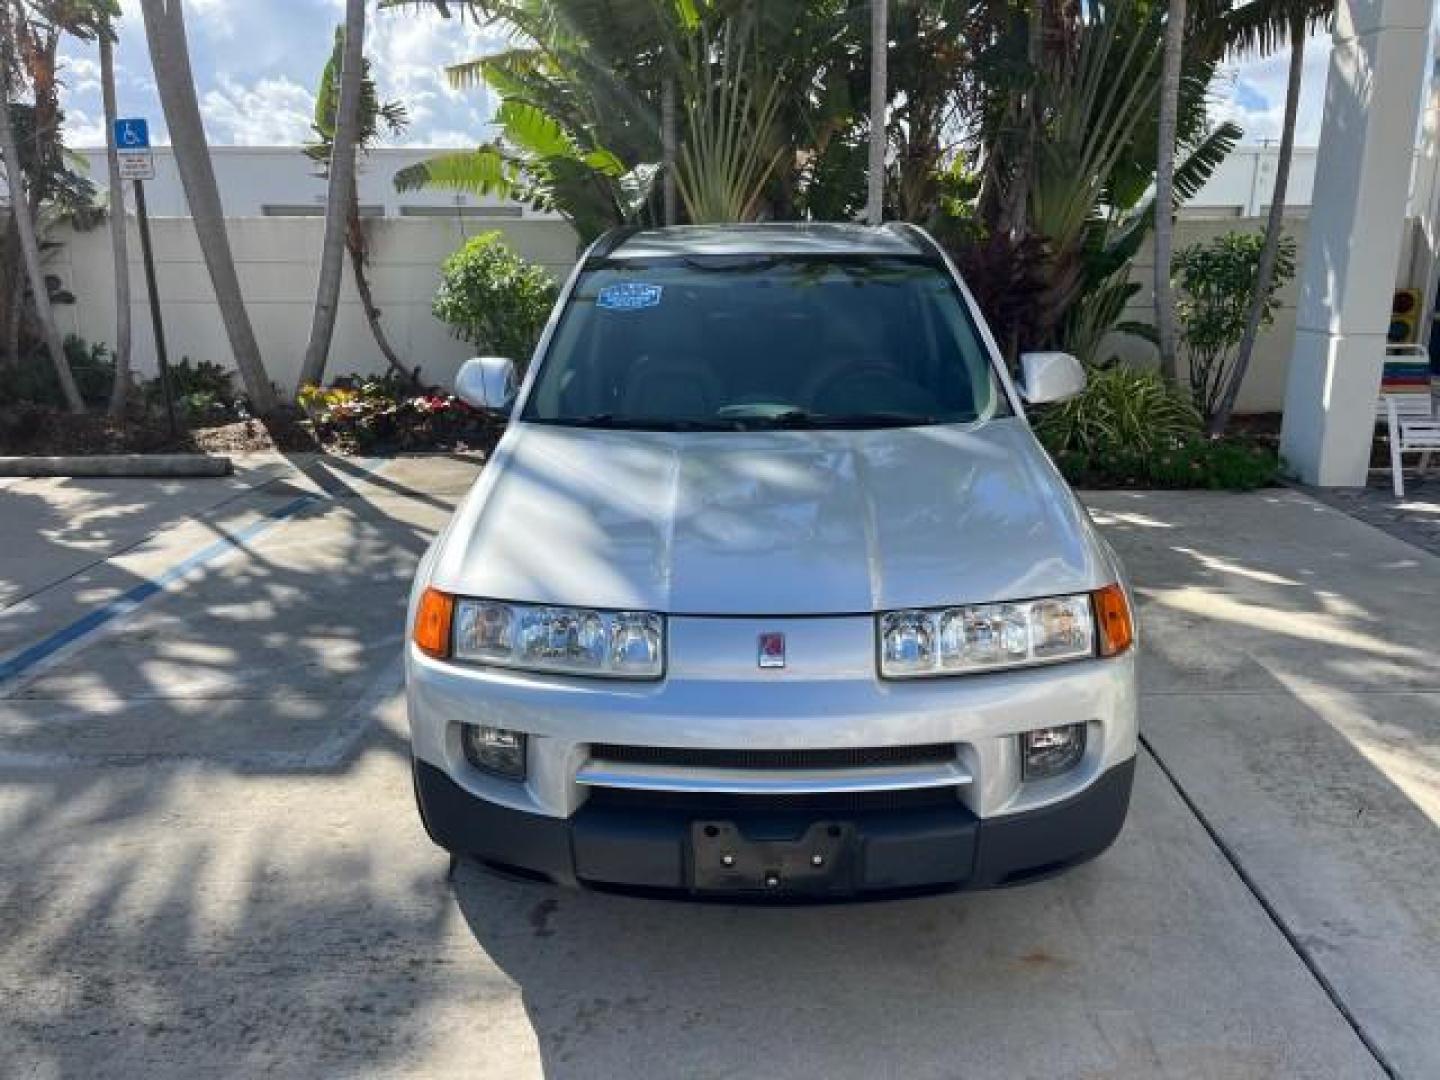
(986, 637)
(572, 641)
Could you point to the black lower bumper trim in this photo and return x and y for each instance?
(885, 850)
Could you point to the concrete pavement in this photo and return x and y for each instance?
(210, 863)
(1292, 685)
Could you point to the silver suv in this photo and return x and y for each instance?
(769, 589)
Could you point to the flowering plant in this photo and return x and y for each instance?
(362, 413)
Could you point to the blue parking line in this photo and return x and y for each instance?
(12, 667)
(17, 665)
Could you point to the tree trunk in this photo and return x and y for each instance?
(25, 224)
(11, 275)
(1018, 198)
(337, 198)
(358, 248)
(16, 328)
(879, 54)
(1165, 189)
(1274, 227)
(170, 57)
(668, 141)
(118, 239)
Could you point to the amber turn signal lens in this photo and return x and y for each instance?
(432, 623)
(1112, 617)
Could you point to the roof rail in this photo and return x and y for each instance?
(917, 236)
(606, 245)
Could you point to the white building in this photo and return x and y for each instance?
(280, 181)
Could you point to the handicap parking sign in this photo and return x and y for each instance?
(132, 145)
(132, 133)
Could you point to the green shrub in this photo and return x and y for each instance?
(203, 392)
(1131, 429)
(33, 379)
(1122, 410)
(494, 299)
(1216, 282)
(1222, 465)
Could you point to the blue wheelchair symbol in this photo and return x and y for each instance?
(132, 134)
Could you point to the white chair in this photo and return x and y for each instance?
(1410, 415)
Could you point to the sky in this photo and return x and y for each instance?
(257, 63)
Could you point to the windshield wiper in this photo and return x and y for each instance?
(803, 418)
(636, 423)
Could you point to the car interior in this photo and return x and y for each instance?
(754, 346)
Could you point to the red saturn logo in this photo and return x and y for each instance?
(772, 650)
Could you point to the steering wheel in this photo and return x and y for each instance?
(864, 386)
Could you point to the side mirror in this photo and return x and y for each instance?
(487, 382)
(1050, 376)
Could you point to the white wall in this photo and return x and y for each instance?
(276, 259)
(253, 177)
(1242, 185)
(1264, 387)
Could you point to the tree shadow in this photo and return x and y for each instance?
(210, 861)
(201, 869)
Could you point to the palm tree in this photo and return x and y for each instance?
(669, 148)
(1165, 187)
(588, 127)
(580, 102)
(1261, 27)
(879, 98)
(118, 239)
(22, 209)
(731, 149)
(338, 198)
(370, 114)
(170, 57)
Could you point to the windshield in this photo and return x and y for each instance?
(725, 343)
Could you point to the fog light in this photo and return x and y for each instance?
(1051, 751)
(495, 750)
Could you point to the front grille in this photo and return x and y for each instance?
(836, 758)
(701, 804)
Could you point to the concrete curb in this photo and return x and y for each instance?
(137, 465)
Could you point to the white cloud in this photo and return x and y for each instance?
(449, 138)
(410, 51)
(84, 129)
(256, 63)
(1254, 95)
(81, 75)
(210, 16)
(270, 112)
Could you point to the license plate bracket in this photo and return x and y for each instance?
(821, 860)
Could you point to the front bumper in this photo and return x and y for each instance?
(892, 850)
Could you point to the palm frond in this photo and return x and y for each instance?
(1263, 27)
(1200, 163)
(532, 131)
(482, 171)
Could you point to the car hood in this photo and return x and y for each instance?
(770, 522)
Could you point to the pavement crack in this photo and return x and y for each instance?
(1300, 949)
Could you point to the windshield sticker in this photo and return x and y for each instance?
(628, 296)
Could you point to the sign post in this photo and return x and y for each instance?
(137, 163)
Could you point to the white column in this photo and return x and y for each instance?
(1357, 213)
(1424, 269)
